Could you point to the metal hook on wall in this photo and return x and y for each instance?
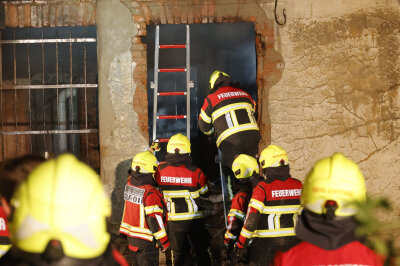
(276, 17)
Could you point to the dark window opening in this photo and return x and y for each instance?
(229, 47)
(48, 93)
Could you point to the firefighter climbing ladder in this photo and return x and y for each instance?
(164, 95)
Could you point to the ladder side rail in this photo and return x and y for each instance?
(156, 58)
(188, 83)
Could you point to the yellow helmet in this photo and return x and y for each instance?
(244, 166)
(145, 162)
(337, 179)
(272, 156)
(214, 76)
(62, 199)
(180, 143)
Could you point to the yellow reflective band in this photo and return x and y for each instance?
(203, 190)
(229, 235)
(281, 209)
(135, 229)
(275, 232)
(230, 107)
(184, 216)
(209, 132)
(160, 234)
(257, 205)
(132, 234)
(233, 130)
(182, 193)
(245, 233)
(152, 209)
(205, 117)
(234, 119)
(236, 213)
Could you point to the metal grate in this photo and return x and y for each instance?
(48, 92)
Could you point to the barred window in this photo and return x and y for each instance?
(48, 92)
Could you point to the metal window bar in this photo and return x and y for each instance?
(61, 127)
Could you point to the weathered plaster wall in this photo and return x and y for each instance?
(119, 134)
(339, 89)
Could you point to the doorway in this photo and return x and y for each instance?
(229, 47)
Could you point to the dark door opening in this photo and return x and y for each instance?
(229, 47)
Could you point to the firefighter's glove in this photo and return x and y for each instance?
(165, 247)
(155, 146)
(243, 255)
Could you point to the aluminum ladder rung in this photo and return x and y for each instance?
(154, 85)
(171, 116)
(171, 93)
(169, 46)
(161, 140)
(177, 69)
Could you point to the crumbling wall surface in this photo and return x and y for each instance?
(119, 134)
(339, 89)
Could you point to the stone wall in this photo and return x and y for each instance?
(339, 89)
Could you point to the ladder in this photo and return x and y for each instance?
(164, 96)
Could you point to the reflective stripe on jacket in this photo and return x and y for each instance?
(236, 217)
(144, 214)
(228, 110)
(182, 186)
(272, 210)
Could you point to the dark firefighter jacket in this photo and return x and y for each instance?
(228, 111)
(272, 213)
(182, 184)
(145, 214)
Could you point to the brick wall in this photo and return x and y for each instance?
(49, 13)
(144, 12)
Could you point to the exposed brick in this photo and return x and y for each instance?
(46, 18)
(65, 15)
(27, 15)
(59, 15)
(52, 15)
(20, 16)
(92, 20)
(138, 19)
(39, 16)
(252, 19)
(73, 14)
(81, 14)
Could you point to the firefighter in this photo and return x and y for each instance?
(182, 184)
(12, 173)
(246, 170)
(326, 224)
(145, 212)
(272, 211)
(59, 218)
(228, 115)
